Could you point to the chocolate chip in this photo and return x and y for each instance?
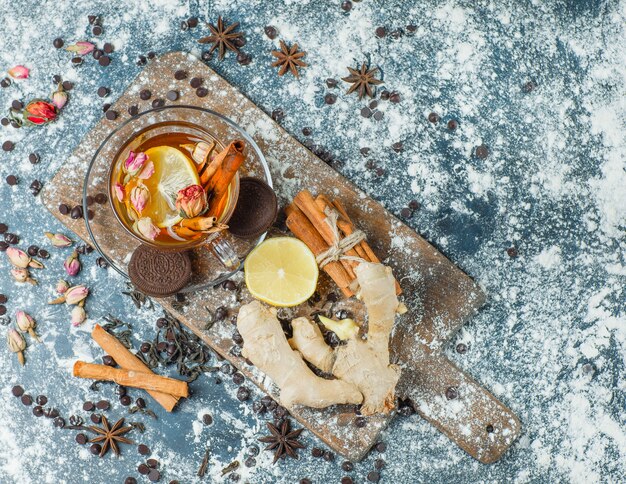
(398, 147)
(88, 407)
(271, 32)
(154, 475)
(221, 313)
(95, 418)
(130, 480)
(145, 347)
(529, 86)
(64, 209)
(93, 19)
(373, 476)
(103, 91)
(482, 151)
(5, 121)
(133, 110)
(406, 212)
(125, 400)
(381, 447)
(76, 212)
(512, 252)
(67, 85)
(111, 115)
(380, 32)
(172, 95)
(59, 422)
(32, 251)
(143, 449)
(12, 180)
(77, 60)
(97, 53)
(411, 28)
(317, 452)
(81, 439)
(360, 422)
(243, 58)
(328, 456)
(3, 246)
(95, 449)
(452, 393)
(347, 466)
(11, 238)
(195, 82)
(330, 98)
(108, 48)
(461, 348)
(152, 463)
(143, 469)
(33, 158)
(8, 146)
(142, 61)
(3, 310)
(346, 5)
(103, 405)
(239, 42)
(238, 378)
(120, 390)
(97, 30)
(452, 124)
(330, 82)
(6, 82)
(43, 253)
(35, 187)
(17, 390)
(346, 480)
(158, 103)
(58, 42)
(202, 92)
(17, 105)
(393, 97)
(27, 400)
(207, 419)
(104, 61)
(414, 205)
(206, 55)
(433, 118)
(101, 198)
(243, 394)
(305, 481)
(378, 115)
(140, 402)
(489, 429)
(180, 75)
(192, 22)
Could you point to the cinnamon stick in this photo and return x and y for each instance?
(228, 162)
(302, 228)
(131, 378)
(124, 358)
(305, 202)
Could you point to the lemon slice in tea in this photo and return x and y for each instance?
(281, 272)
(173, 171)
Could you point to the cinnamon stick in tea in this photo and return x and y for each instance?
(131, 378)
(302, 228)
(124, 358)
(305, 202)
(228, 162)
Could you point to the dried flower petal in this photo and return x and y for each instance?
(59, 240)
(19, 72)
(76, 294)
(147, 171)
(18, 257)
(81, 48)
(72, 264)
(119, 191)
(146, 228)
(191, 201)
(62, 286)
(139, 197)
(134, 163)
(78, 315)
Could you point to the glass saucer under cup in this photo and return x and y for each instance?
(107, 234)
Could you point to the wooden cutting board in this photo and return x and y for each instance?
(440, 297)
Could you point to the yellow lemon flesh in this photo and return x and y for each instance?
(173, 171)
(281, 272)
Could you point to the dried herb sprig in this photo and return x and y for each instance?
(138, 297)
(113, 325)
(205, 463)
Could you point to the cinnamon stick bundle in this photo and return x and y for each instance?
(131, 378)
(124, 358)
(226, 165)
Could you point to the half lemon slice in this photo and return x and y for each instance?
(173, 171)
(281, 272)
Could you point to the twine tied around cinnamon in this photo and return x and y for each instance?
(339, 247)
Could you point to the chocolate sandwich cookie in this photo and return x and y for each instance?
(256, 209)
(159, 273)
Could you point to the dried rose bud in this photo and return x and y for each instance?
(22, 275)
(40, 112)
(17, 344)
(119, 191)
(26, 323)
(139, 197)
(81, 48)
(72, 264)
(19, 72)
(147, 171)
(191, 201)
(59, 99)
(146, 228)
(78, 315)
(62, 286)
(76, 294)
(59, 240)
(134, 163)
(18, 257)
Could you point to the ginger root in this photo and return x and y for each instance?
(361, 367)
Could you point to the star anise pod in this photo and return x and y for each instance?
(222, 37)
(110, 436)
(362, 80)
(283, 441)
(288, 59)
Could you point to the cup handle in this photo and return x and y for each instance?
(224, 251)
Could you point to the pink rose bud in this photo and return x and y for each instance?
(76, 294)
(118, 188)
(19, 72)
(146, 228)
(78, 315)
(22, 275)
(26, 324)
(81, 48)
(147, 172)
(191, 201)
(59, 99)
(134, 163)
(40, 112)
(139, 197)
(18, 257)
(17, 344)
(59, 240)
(62, 286)
(72, 264)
